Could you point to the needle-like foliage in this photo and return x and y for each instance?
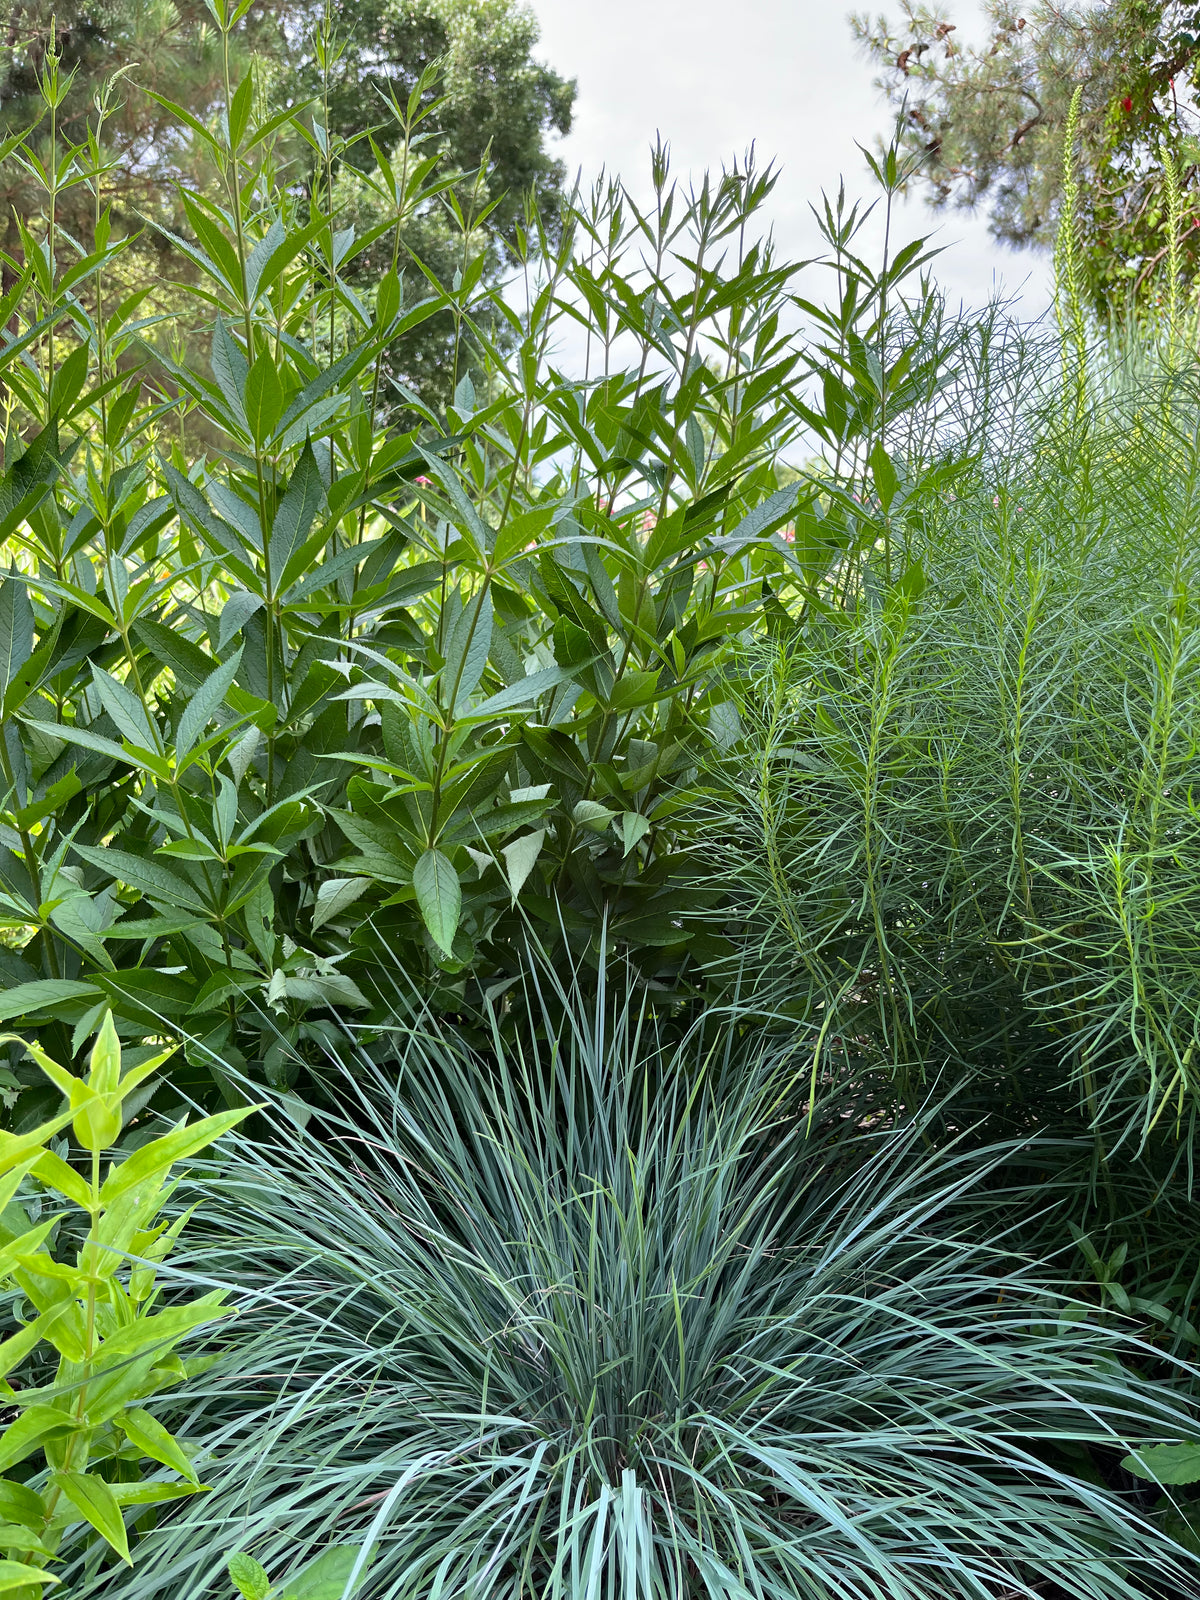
(965, 804)
(610, 1318)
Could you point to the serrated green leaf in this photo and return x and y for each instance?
(468, 648)
(28, 481)
(249, 1577)
(126, 710)
(230, 368)
(760, 523)
(42, 994)
(297, 510)
(203, 705)
(632, 827)
(439, 897)
(85, 738)
(16, 629)
(334, 895)
(148, 877)
(520, 857)
(325, 1578)
(235, 614)
(525, 692)
(1168, 1464)
(264, 398)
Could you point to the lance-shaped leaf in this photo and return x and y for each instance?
(294, 518)
(338, 566)
(230, 369)
(16, 629)
(760, 523)
(126, 710)
(97, 1504)
(204, 704)
(34, 1425)
(88, 740)
(148, 877)
(264, 398)
(237, 513)
(525, 692)
(16, 1575)
(520, 857)
(43, 994)
(29, 481)
(149, 1161)
(235, 614)
(470, 519)
(335, 377)
(468, 648)
(334, 895)
(217, 535)
(439, 897)
(153, 1440)
(277, 250)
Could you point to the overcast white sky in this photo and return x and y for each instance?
(713, 75)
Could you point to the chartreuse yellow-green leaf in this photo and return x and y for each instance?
(15, 1575)
(105, 1071)
(161, 1154)
(29, 1432)
(96, 1311)
(97, 1504)
(21, 1504)
(15, 1536)
(153, 1440)
(55, 1173)
(18, 1345)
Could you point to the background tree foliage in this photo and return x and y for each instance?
(497, 106)
(987, 121)
(485, 106)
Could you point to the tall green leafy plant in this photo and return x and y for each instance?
(284, 685)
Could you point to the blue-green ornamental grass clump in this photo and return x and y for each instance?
(608, 1317)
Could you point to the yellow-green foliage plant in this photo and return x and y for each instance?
(78, 1444)
(334, 1573)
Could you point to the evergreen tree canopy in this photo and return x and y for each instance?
(497, 98)
(987, 122)
(497, 101)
